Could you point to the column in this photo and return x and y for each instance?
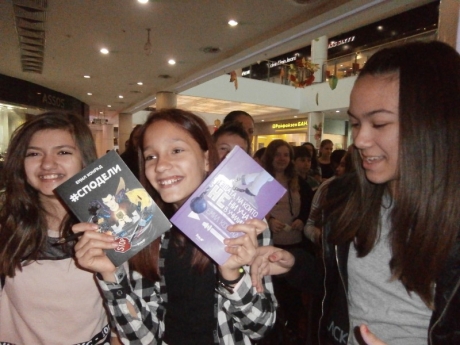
(107, 137)
(448, 23)
(125, 126)
(166, 99)
(319, 56)
(315, 127)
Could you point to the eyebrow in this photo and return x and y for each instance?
(173, 140)
(371, 113)
(54, 147)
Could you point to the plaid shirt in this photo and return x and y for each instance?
(241, 316)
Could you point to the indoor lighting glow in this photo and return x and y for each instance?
(337, 111)
(87, 76)
(172, 62)
(143, 1)
(90, 94)
(109, 106)
(104, 51)
(232, 22)
(120, 96)
(140, 83)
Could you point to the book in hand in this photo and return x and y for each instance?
(107, 193)
(237, 190)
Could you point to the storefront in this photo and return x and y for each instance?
(297, 131)
(20, 99)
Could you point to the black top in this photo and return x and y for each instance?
(326, 170)
(190, 309)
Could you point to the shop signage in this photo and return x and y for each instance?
(53, 101)
(283, 61)
(297, 124)
(334, 44)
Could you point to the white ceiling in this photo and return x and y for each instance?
(181, 30)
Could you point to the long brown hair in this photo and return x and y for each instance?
(425, 216)
(146, 261)
(23, 226)
(289, 172)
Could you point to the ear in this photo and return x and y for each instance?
(206, 161)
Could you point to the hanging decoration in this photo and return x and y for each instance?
(148, 45)
(301, 73)
(234, 79)
(333, 80)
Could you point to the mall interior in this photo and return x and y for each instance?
(163, 54)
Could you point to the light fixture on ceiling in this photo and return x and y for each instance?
(148, 45)
(232, 22)
(104, 51)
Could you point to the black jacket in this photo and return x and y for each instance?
(334, 327)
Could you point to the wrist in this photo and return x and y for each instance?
(229, 284)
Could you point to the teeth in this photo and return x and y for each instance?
(50, 177)
(168, 182)
(371, 159)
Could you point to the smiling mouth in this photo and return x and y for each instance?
(372, 159)
(168, 182)
(50, 176)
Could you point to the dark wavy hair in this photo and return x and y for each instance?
(23, 226)
(425, 216)
(233, 128)
(146, 261)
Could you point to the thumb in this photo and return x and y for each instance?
(369, 337)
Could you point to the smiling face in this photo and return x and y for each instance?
(281, 159)
(52, 157)
(374, 118)
(227, 141)
(175, 165)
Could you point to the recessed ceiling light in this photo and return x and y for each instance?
(380, 27)
(263, 120)
(232, 22)
(87, 76)
(109, 106)
(90, 94)
(337, 111)
(104, 51)
(295, 116)
(143, 1)
(120, 96)
(140, 83)
(172, 62)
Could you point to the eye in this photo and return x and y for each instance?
(150, 157)
(64, 152)
(379, 125)
(176, 151)
(31, 154)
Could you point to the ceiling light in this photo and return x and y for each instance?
(109, 106)
(143, 1)
(380, 27)
(232, 22)
(263, 120)
(337, 111)
(148, 45)
(104, 51)
(89, 94)
(120, 96)
(295, 116)
(87, 76)
(140, 83)
(172, 62)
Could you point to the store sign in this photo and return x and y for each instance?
(53, 100)
(334, 44)
(283, 61)
(298, 124)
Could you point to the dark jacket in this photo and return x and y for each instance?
(334, 325)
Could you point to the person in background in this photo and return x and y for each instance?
(45, 298)
(131, 154)
(228, 136)
(336, 157)
(302, 163)
(286, 220)
(346, 163)
(315, 170)
(171, 292)
(258, 155)
(391, 242)
(245, 119)
(324, 159)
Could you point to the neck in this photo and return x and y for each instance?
(55, 212)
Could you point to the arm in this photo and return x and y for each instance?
(250, 312)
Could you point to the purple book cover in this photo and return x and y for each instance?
(237, 190)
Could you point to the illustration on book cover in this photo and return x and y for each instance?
(237, 190)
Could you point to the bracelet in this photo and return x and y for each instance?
(229, 285)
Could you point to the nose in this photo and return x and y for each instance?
(163, 164)
(48, 162)
(362, 137)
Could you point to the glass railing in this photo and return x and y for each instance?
(342, 67)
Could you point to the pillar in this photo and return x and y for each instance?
(319, 56)
(448, 23)
(166, 99)
(125, 126)
(315, 127)
(107, 137)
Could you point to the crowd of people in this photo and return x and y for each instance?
(363, 248)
